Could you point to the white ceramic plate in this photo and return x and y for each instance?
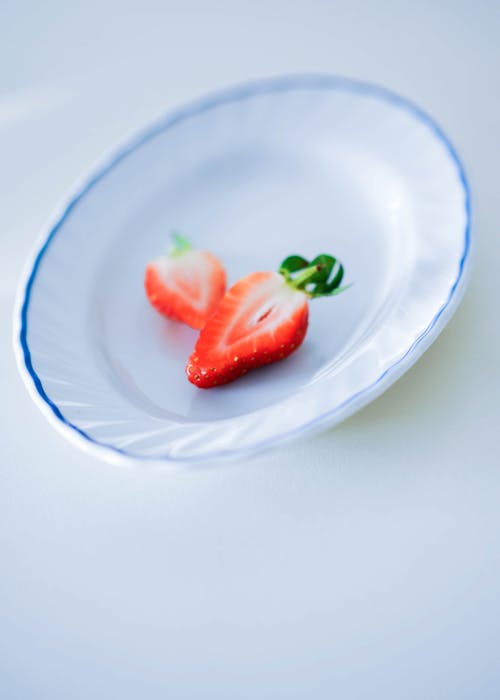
(295, 165)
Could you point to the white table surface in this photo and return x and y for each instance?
(363, 563)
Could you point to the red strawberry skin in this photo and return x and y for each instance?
(186, 287)
(260, 320)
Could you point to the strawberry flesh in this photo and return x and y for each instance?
(186, 287)
(260, 320)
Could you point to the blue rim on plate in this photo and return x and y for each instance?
(265, 86)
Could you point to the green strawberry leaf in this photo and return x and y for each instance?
(179, 244)
(293, 263)
(320, 277)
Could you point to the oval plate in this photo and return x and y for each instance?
(293, 165)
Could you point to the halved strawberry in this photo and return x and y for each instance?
(262, 318)
(185, 285)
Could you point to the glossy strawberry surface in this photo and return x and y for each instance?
(260, 320)
(186, 286)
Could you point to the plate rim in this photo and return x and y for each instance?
(167, 120)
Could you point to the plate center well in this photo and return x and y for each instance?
(252, 206)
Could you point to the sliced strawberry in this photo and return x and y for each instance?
(262, 318)
(185, 285)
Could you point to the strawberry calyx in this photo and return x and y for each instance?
(319, 277)
(179, 245)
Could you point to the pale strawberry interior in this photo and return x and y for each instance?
(188, 276)
(260, 310)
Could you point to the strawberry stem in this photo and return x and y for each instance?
(179, 245)
(317, 278)
(306, 276)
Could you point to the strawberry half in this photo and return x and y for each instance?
(262, 318)
(185, 285)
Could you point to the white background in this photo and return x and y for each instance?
(364, 563)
